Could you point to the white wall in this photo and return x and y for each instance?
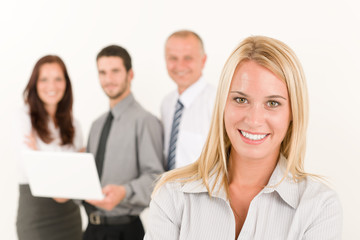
(324, 34)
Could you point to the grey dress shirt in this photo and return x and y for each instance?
(133, 156)
(289, 211)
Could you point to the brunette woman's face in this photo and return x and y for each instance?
(51, 84)
(257, 112)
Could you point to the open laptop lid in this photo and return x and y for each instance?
(62, 175)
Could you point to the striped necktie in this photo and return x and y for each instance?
(174, 134)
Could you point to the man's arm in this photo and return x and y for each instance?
(149, 136)
(149, 142)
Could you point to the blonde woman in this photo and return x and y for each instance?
(249, 182)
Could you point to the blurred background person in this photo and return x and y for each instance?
(46, 123)
(186, 111)
(127, 144)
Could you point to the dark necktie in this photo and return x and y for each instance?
(100, 154)
(174, 135)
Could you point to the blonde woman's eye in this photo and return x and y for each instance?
(273, 104)
(240, 100)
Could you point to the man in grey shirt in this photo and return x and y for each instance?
(127, 145)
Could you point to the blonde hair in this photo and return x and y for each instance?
(282, 61)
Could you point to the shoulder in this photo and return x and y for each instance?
(170, 95)
(143, 116)
(207, 95)
(147, 122)
(169, 99)
(315, 188)
(169, 194)
(100, 119)
(319, 196)
(210, 95)
(207, 98)
(209, 88)
(166, 210)
(97, 124)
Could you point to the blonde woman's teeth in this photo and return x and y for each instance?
(253, 137)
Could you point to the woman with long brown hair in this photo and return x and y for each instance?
(46, 123)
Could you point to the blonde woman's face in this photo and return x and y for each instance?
(257, 112)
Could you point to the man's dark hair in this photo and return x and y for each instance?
(116, 51)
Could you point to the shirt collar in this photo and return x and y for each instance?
(288, 190)
(121, 106)
(188, 96)
(198, 187)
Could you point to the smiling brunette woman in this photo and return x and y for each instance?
(46, 124)
(249, 181)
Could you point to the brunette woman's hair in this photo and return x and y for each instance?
(38, 114)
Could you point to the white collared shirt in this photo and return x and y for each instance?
(198, 101)
(304, 210)
(22, 127)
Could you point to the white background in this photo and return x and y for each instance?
(324, 34)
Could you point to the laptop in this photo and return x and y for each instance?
(62, 175)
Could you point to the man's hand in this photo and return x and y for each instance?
(114, 194)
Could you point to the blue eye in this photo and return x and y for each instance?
(273, 104)
(240, 100)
